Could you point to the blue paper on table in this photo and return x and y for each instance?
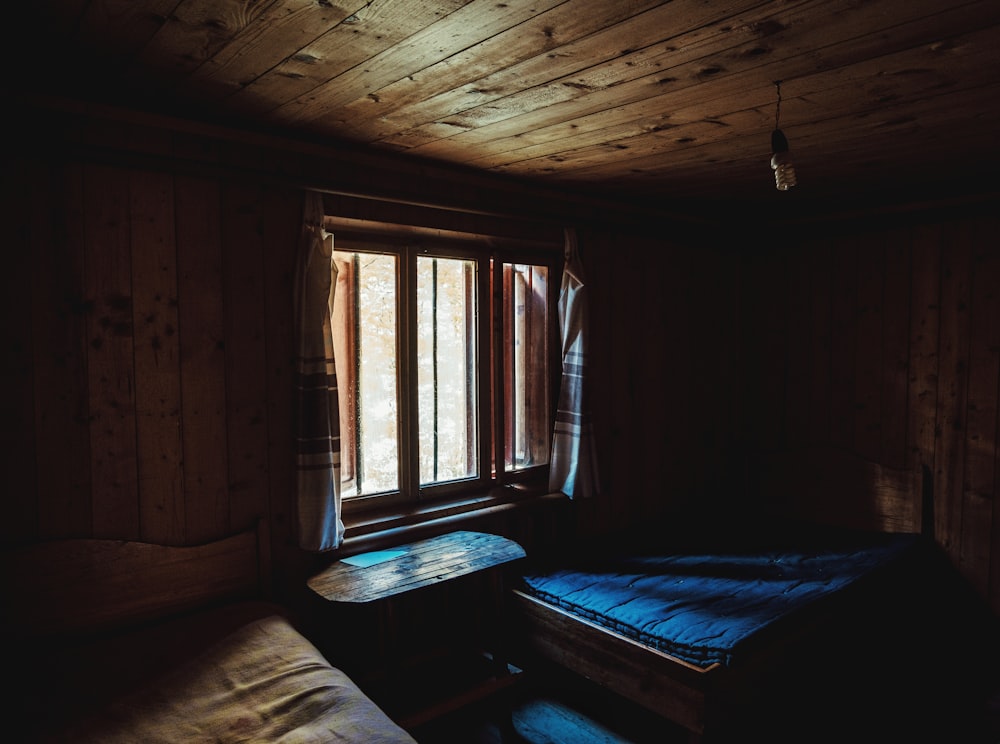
(370, 559)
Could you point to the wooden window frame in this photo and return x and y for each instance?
(495, 484)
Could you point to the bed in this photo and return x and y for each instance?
(807, 616)
(117, 641)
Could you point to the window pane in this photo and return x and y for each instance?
(365, 335)
(446, 370)
(526, 374)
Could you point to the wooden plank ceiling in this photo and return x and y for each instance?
(661, 102)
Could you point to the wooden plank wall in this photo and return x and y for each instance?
(666, 365)
(148, 329)
(149, 324)
(883, 338)
(153, 389)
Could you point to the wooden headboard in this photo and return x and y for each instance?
(839, 488)
(76, 586)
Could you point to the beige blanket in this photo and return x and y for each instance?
(264, 682)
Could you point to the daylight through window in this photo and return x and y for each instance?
(443, 367)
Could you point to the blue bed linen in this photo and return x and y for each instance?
(701, 606)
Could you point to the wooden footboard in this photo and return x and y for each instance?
(662, 683)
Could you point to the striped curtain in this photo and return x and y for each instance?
(317, 442)
(573, 465)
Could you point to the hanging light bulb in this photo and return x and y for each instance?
(781, 162)
(781, 159)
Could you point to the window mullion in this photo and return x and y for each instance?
(409, 476)
(484, 350)
(497, 369)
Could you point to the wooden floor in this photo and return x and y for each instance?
(552, 708)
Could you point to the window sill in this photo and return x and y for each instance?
(376, 531)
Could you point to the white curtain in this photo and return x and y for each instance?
(573, 465)
(317, 443)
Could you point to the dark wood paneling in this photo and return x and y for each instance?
(979, 482)
(203, 357)
(868, 359)
(820, 340)
(61, 409)
(911, 374)
(798, 318)
(770, 326)
(110, 353)
(925, 330)
(17, 366)
(896, 312)
(656, 344)
(665, 336)
(953, 375)
(715, 355)
(281, 228)
(843, 343)
(246, 361)
(624, 484)
(157, 357)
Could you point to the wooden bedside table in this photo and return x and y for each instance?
(403, 678)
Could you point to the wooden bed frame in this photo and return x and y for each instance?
(700, 699)
(82, 586)
(129, 641)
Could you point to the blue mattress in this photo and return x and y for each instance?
(704, 606)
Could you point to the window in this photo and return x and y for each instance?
(444, 356)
